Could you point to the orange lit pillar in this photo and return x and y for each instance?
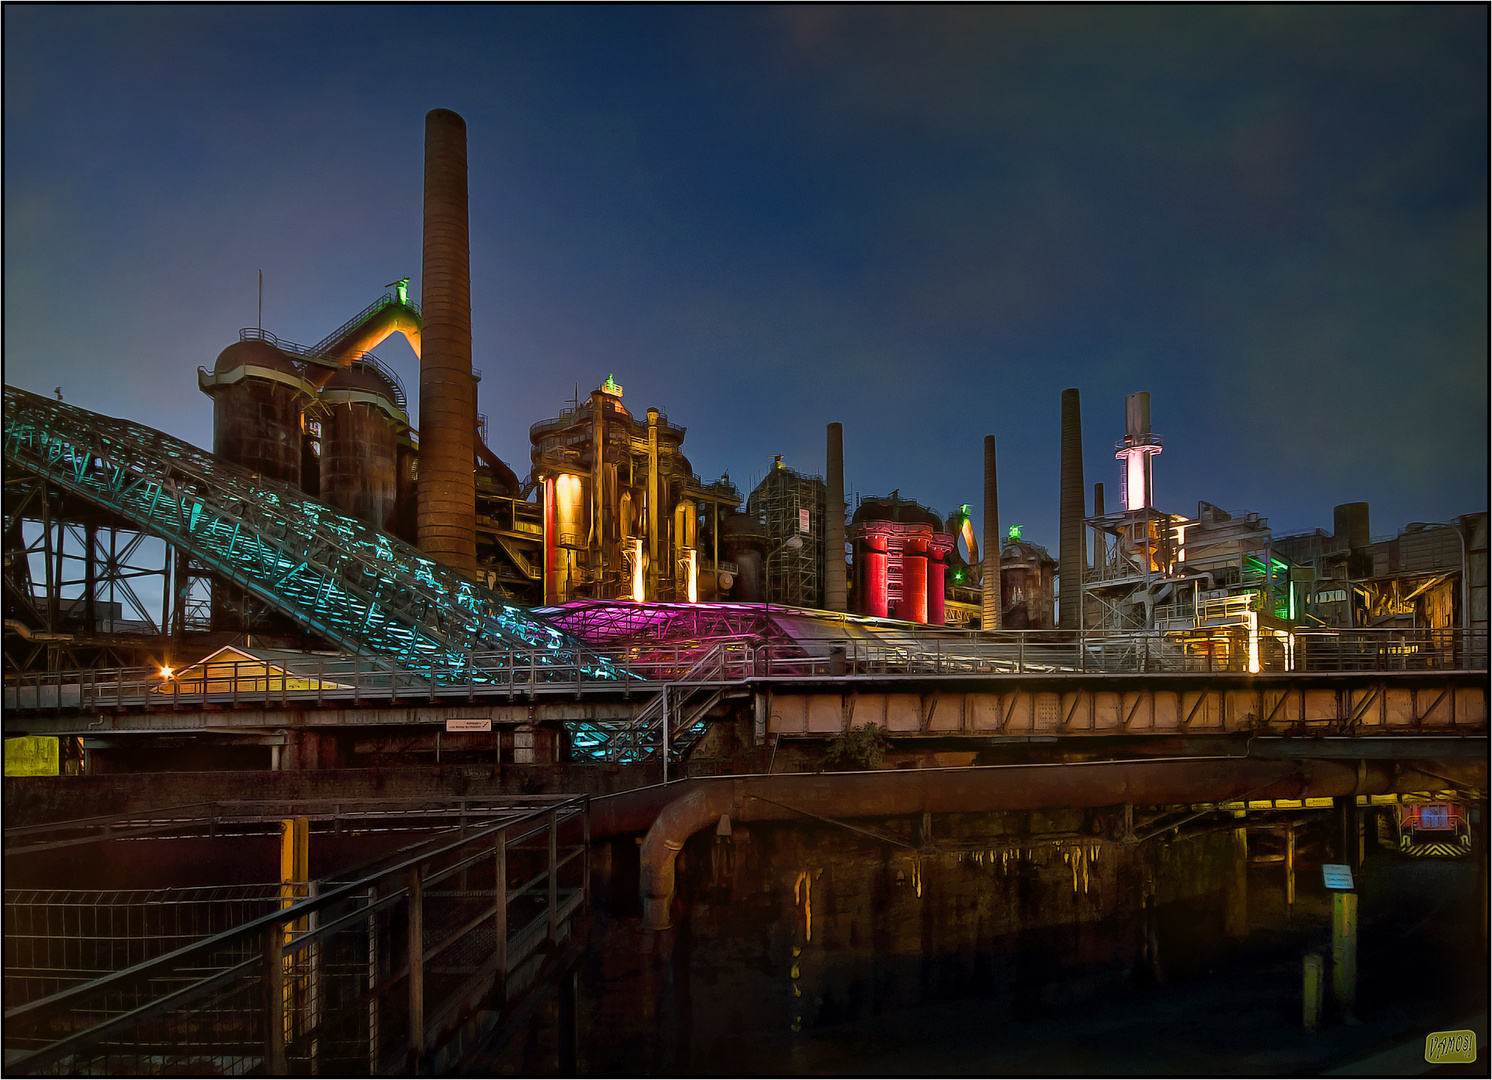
(551, 591)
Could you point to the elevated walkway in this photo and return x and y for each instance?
(369, 593)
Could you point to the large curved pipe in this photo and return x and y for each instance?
(677, 822)
(393, 318)
(894, 792)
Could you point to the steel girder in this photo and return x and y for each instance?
(360, 588)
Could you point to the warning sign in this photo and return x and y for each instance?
(802, 521)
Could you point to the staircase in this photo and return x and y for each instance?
(685, 702)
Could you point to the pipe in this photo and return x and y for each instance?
(991, 602)
(834, 577)
(895, 792)
(393, 318)
(678, 821)
(1070, 508)
(448, 403)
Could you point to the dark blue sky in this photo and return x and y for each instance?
(923, 223)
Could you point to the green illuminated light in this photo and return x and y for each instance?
(1015, 532)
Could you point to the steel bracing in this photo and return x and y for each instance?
(361, 589)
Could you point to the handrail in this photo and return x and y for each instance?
(268, 964)
(367, 359)
(322, 679)
(382, 302)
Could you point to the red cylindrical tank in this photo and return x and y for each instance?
(935, 571)
(913, 607)
(873, 577)
(448, 412)
(359, 466)
(256, 417)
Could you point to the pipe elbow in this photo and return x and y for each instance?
(678, 821)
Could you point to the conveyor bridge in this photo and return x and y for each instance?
(369, 593)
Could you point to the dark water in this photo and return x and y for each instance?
(1014, 943)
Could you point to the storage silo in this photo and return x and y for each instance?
(359, 443)
(258, 396)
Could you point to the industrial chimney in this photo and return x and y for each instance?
(1139, 446)
(1070, 515)
(834, 578)
(991, 601)
(448, 407)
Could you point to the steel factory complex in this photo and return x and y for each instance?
(343, 585)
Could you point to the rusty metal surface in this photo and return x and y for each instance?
(448, 414)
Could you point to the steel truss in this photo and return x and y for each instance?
(84, 587)
(367, 592)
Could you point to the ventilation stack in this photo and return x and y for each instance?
(990, 604)
(834, 578)
(447, 519)
(1101, 552)
(1070, 510)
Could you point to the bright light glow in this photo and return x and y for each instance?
(1134, 492)
(693, 573)
(166, 671)
(1253, 642)
(637, 586)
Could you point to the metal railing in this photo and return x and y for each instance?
(365, 976)
(256, 333)
(514, 673)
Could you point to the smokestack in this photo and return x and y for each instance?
(448, 405)
(1070, 510)
(1101, 551)
(834, 587)
(991, 603)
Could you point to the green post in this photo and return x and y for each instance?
(1344, 951)
(1314, 991)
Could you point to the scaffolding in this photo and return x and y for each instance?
(793, 576)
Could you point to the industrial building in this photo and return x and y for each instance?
(624, 515)
(790, 506)
(612, 510)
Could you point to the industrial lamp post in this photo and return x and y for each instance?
(1455, 527)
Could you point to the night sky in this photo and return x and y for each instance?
(923, 223)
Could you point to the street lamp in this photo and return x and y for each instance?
(1455, 527)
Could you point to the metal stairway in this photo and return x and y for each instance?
(368, 592)
(685, 703)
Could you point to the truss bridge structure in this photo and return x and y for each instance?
(353, 586)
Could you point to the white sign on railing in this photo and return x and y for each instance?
(464, 723)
